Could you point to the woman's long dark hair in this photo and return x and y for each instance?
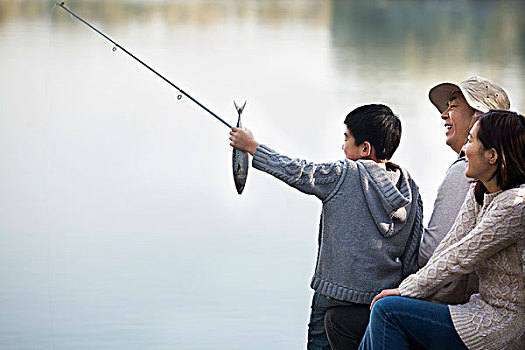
(505, 132)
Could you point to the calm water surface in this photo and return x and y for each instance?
(120, 227)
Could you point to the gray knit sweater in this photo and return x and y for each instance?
(450, 197)
(371, 222)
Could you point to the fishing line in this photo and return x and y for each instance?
(53, 10)
(116, 45)
(50, 248)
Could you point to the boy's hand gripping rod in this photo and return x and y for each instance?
(61, 4)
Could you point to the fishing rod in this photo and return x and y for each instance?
(61, 4)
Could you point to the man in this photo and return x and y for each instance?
(458, 105)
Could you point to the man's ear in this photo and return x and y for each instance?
(492, 156)
(365, 149)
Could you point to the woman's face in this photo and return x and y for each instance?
(481, 161)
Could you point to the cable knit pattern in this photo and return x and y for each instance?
(489, 239)
(317, 179)
(371, 222)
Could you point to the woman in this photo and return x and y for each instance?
(488, 236)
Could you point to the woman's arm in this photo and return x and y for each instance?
(501, 226)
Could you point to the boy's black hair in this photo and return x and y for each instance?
(378, 125)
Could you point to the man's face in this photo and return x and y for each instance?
(457, 119)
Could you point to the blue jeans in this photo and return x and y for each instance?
(407, 323)
(317, 339)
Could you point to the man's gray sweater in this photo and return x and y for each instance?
(371, 222)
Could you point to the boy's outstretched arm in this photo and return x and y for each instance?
(243, 140)
(310, 178)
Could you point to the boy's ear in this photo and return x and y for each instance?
(366, 149)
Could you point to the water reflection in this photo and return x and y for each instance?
(422, 34)
(414, 35)
(202, 13)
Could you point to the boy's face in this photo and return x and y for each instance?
(352, 151)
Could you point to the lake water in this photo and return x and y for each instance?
(120, 226)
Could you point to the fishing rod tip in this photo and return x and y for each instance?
(61, 3)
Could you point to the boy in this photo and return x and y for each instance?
(371, 220)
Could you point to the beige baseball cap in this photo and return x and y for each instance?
(480, 93)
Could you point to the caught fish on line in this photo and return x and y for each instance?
(240, 159)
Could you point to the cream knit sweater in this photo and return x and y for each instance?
(489, 239)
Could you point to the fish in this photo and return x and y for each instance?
(240, 158)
